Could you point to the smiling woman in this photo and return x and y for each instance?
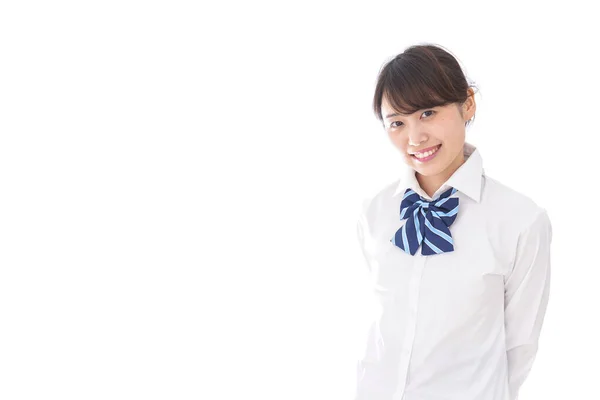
(460, 262)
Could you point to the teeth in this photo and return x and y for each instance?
(426, 154)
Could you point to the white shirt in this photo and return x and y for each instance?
(462, 325)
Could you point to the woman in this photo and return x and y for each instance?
(459, 261)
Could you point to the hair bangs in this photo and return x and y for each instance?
(411, 95)
(423, 76)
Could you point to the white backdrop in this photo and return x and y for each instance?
(180, 182)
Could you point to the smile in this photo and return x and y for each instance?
(426, 156)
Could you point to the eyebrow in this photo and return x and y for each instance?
(405, 115)
(395, 115)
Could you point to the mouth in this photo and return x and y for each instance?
(426, 156)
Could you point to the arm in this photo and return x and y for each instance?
(361, 226)
(526, 298)
(367, 378)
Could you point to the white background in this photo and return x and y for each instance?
(180, 181)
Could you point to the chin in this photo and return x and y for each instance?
(430, 169)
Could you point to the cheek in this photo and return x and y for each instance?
(402, 147)
(398, 141)
(449, 129)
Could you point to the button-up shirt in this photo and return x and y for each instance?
(461, 325)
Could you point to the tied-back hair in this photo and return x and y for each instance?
(422, 76)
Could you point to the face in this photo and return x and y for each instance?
(441, 128)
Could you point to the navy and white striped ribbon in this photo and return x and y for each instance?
(427, 223)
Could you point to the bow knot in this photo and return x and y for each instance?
(427, 223)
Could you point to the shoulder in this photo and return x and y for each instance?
(375, 198)
(511, 206)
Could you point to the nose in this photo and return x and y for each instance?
(416, 137)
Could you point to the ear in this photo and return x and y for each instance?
(469, 106)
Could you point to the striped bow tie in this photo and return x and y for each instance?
(427, 223)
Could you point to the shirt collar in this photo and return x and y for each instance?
(466, 179)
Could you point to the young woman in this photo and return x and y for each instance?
(460, 263)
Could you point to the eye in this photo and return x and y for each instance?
(401, 123)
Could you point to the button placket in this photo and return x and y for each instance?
(407, 347)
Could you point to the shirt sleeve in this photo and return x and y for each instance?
(361, 226)
(366, 381)
(526, 297)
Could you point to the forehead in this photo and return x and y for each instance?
(385, 104)
(386, 108)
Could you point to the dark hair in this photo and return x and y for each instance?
(423, 76)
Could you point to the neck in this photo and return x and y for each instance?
(430, 184)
